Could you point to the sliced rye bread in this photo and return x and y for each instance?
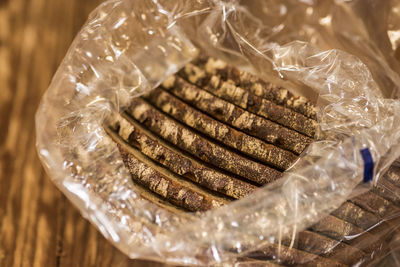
(212, 134)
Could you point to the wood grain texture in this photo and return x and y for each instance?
(38, 226)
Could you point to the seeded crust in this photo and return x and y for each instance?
(181, 164)
(228, 91)
(168, 186)
(237, 117)
(198, 146)
(335, 228)
(348, 233)
(247, 144)
(393, 175)
(355, 215)
(387, 190)
(257, 86)
(323, 246)
(385, 210)
(375, 204)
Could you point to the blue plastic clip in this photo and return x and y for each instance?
(368, 165)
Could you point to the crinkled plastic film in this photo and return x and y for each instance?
(339, 53)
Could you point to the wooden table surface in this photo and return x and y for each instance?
(38, 225)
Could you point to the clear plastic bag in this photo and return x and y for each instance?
(339, 53)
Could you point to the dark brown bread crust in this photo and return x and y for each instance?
(247, 144)
(346, 232)
(228, 91)
(326, 247)
(184, 165)
(257, 86)
(393, 175)
(237, 117)
(167, 187)
(376, 205)
(200, 147)
(387, 190)
(355, 215)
